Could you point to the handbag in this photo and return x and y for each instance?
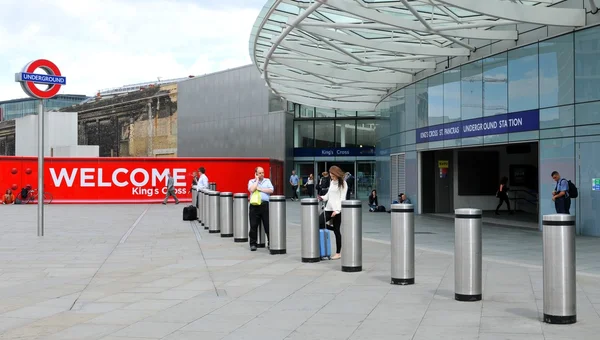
(255, 198)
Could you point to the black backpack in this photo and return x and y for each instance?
(24, 193)
(573, 192)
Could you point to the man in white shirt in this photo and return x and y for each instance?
(259, 213)
(203, 181)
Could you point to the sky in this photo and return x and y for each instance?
(99, 44)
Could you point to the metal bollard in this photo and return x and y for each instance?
(277, 225)
(215, 226)
(200, 206)
(261, 236)
(403, 244)
(467, 255)
(226, 214)
(212, 186)
(560, 297)
(352, 240)
(309, 230)
(206, 201)
(240, 217)
(195, 198)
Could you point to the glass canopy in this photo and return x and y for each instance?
(349, 54)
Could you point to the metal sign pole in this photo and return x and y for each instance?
(40, 217)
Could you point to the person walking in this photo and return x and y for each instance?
(170, 189)
(502, 195)
(259, 211)
(294, 183)
(310, 185)
(333, 209)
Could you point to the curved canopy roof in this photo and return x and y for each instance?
(348, 54)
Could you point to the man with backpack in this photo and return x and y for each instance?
(562, 194)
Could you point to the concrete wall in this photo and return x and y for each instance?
(76, 151)
(60, 129)
(226, 114)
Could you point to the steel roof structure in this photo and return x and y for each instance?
(349, 54)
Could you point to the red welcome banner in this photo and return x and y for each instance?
(130, 180)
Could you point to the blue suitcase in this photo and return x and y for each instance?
(325, 242)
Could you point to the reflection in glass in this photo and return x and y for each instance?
(452, 95)
(556, 71)
(436, 99)
(523, 78)
(342, 113)
(588, 113)
(557, 117)
(421, 103)
(587, 65)
(495, 89)
(325, 113)
(411, 110)
(324, 134)
(365, 179)
(345, 133)
(303, 134)
(307, 111)
(367, 113)
(366, 133)
(472, 90)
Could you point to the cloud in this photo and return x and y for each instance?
(108, 43)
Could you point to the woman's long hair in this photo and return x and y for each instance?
(339, 173)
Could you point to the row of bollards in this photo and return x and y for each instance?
(226, 213)
(558, 259)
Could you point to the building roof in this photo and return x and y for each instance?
(26, 99)
(349, 54)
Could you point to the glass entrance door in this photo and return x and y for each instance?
(303, 170)
(365, 179)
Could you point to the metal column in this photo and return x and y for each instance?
(261, 236)
(240, 217)
(467, 255)
(309, 230)
(41, 154)
(277, 225)
(560, 296)
(212, 186)
(206, 213)
(200, 206)
(215, 226)
(226, 214)
(403, 244)
(352, 240)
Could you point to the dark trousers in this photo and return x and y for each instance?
(294, 189)
(562, 205)
(258, 214)
(502, 199)
(337, 225)
(311, 190)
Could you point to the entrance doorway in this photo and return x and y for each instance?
(438, 181)
(363, 175)
(470, 178)
(588, 201)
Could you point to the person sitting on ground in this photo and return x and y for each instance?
(374, 203)
(8, 197)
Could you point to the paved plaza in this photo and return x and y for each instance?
(139, 272)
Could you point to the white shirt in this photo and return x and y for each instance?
(334, 196)
(203, 182)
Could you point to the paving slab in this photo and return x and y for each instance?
(97, 274)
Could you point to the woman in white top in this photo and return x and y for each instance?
(310, 185)
(333, 209)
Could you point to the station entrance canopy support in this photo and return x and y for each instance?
(349, 54)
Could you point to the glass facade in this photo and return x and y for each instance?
(548, 92)
(326, 137)
(13, 109)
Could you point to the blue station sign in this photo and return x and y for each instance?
(485, 126)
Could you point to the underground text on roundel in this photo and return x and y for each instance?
(485, 126)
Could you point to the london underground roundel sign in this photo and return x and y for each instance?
(28, 78)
